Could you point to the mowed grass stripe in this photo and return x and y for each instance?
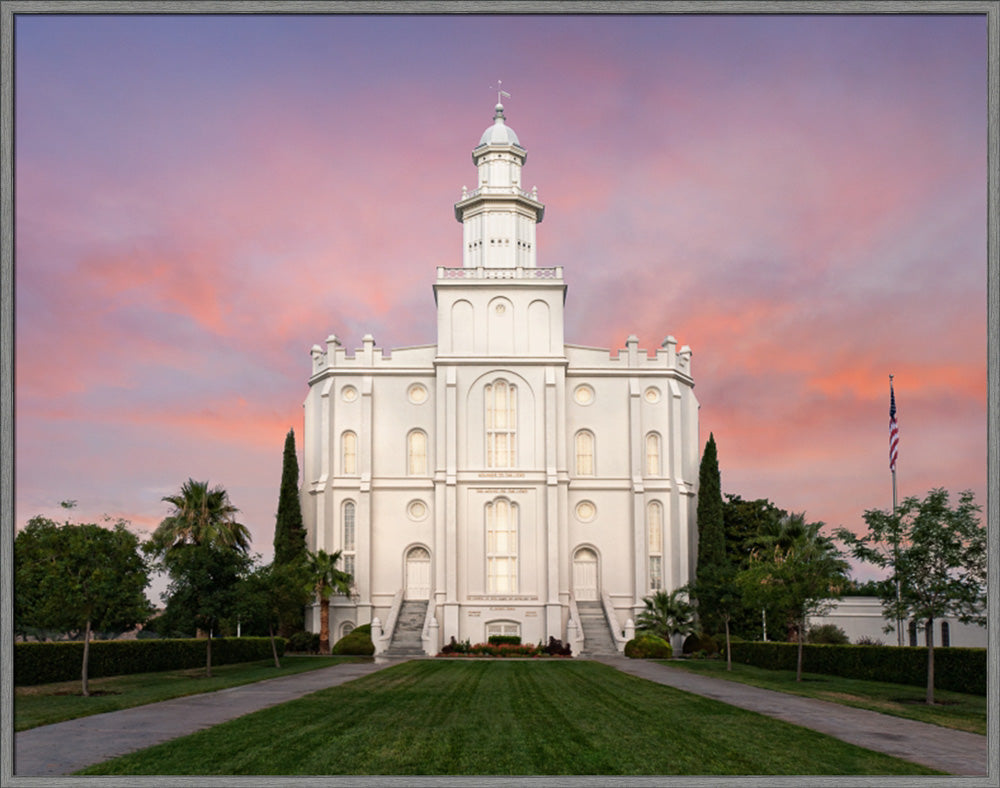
(505, 717)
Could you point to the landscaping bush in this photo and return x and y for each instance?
(864, 640)
(648, 646)
(700, 642)
(830, 634)
(498, 640)
(556, 648)
(303, 642)
(358, 642)
(455, 648)
(42, 663)
(955, 669)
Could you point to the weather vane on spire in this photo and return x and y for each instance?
(499, 91)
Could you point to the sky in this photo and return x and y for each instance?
(201, 199)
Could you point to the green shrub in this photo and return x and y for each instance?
(830, 634)
(303, 642)
(511, 640)
(700, 642)
(358, 642)
(955, 669)
(43, 663)
(648, 646)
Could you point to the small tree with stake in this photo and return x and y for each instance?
(940, 562)
(80, 577)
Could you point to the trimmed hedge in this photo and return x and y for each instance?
(42, 663)
(647, 646)
(358, 641)
(955, 669)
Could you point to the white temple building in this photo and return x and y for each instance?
(501, 481)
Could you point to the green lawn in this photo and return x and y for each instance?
(44, 704)
(952, 710)
(504, 717)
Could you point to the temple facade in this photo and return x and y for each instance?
(500, 481)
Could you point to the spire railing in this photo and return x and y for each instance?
(499, 273)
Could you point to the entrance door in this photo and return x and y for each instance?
(585, 575)
(418, 574)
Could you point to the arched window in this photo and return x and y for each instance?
(504, 628)
(349, 547)
(913, 633)
(349, 453)
(346, 629)
(416, 453)
(501, 423)
(652, 454)
(945, 634)
(584, 453)
(654, 536)
(501, 547)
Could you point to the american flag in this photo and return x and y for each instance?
(893, 430)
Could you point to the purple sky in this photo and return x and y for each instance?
(200, 199)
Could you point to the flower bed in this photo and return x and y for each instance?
(555, 648)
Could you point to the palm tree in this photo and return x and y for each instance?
(667, 614)
(200, 516)
(325, 579)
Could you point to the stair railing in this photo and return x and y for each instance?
(574, 635)
(429, 635)
(382, 643)
(612, 620)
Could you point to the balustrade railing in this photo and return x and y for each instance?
(499, 273)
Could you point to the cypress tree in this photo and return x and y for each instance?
(711, 531)
(289, 533)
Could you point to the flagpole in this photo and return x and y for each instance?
(892, 466)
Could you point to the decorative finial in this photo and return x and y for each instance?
(500, 94)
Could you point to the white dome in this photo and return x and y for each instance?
(499, 133)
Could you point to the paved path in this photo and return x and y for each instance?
(947, 750)
(66, 747)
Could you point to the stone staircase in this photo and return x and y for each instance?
(597, 639)
(407, 636)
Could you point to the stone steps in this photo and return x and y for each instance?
(597, 638)
(407, 637)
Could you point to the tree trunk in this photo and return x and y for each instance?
(208, 655)
(798, 668)
(930, 661)
(274, 649)
(86, 659)
(729, 651)
(324, 626)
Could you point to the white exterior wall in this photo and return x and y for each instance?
(861, 616)
(500, 318)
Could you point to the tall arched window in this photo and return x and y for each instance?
(501, 547)
(350, 539)
(349, 453)
(501, 423)
(945, 634)
(416, 451)
(652, 454)
(584, 453)
(654, 532)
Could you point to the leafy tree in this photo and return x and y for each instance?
(711, 534)
(271, 593)
(325, 579)
(745, 522)
(200, 516)
(940, 562)
(203, 590)
(667, 614)
(289, 532)
(79, 577)
(796, 569)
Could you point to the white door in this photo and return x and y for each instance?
(585, 575)
(418, 574)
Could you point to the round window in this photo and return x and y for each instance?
(349, 393)
(417, 393)
(652, 394)
(583, 394)
(417, 510)
(585, 511)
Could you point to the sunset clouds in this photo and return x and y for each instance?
(201, 199)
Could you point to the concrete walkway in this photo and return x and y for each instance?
(66, 747)
(947, 750)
